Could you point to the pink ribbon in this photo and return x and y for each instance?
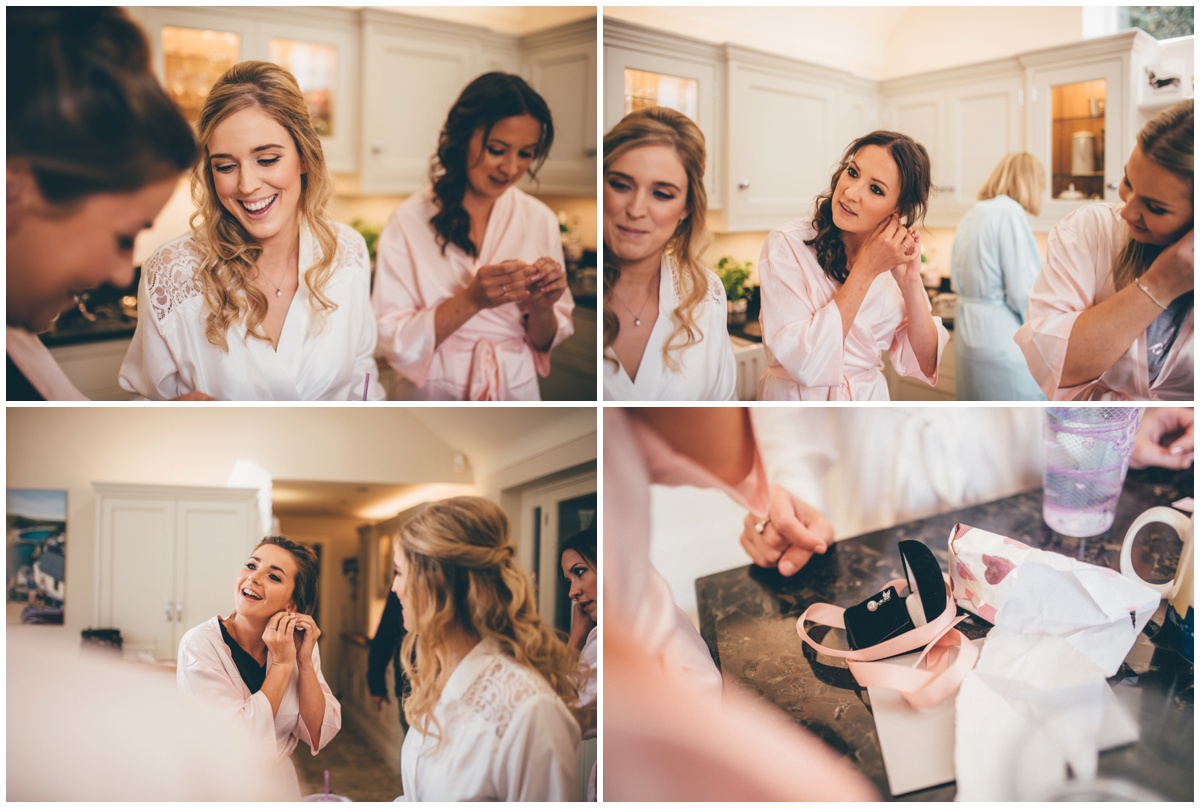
(920, 687)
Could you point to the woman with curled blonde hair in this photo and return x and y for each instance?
(993, 264)
(1111, 316)
(665, 316)
(488, 708)
(266, 298)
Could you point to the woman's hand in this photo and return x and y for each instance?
(787, 539)
(280, 637)
(547, 285)
(1166, 438)
(581, 626)
(306, 634)
(497, 284)
(195, 395)
(909, 272)
(1173, 272)
(889, 245)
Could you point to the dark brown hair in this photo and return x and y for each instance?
(913, 162)
(84, 110)
(308, 571)
(483, 103)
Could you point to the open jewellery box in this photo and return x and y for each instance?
(887, 614)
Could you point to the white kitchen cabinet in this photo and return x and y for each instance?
(561, 65)
(167, 558)
(967, 119)
(93, 367)
(782, 140)
(692, 81)
(324, 52)
(1107, 69)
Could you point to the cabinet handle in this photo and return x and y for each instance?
(377, 148)
(743, 184)
(169, 607)
(179, 611)
(1112, 186)
(589, 152)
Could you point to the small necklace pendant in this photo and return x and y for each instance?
(637, 321)
(278, 293)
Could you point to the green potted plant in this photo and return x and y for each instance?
(733, 275)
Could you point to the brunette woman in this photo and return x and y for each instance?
(470, 293)
(843, 286)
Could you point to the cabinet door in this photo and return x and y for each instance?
(782, 143)
(920, 116)
(565, 75)
(1077, 128)
(694, 92)
(983, 123)
(136, 573)
(409, 85)
(213, 540)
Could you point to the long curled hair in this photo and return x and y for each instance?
(462, 573)
(229, 253)
(1169, 140)
(1021, 177)
(660, 126)
(85, 112)
(482, 104)
(913, 162)
(307, 571)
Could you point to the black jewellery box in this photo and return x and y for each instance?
(887, 614)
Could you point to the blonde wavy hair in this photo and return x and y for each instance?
(1169, 140)
(462, 573)
(229, 253)
(1021, 177)
(660, 126)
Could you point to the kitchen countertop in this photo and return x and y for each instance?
(748, 619)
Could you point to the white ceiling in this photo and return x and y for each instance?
(515, 20)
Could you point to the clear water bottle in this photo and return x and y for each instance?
(1087, 455)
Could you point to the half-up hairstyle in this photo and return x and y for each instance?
(660, 126)
(462, 573)
(1168, 139)
(228, 252)
(483, 103)
(85, 112)
(913, 162)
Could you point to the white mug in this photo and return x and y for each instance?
(1181, 590)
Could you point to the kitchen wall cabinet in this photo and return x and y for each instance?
(693, 84)
(329, 75)
(1105, 70)
(167, 558)
(967, 120)
(93, 367)
(561, 65)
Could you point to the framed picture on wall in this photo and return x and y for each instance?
(36, 562)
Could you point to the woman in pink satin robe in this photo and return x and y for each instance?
(842, 287)
(1112, 316)
(470, 293)
(670, 733)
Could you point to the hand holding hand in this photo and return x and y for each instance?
(547, 285)
(1166, 438)
(497, 284)
(787, 539)
(889, 245)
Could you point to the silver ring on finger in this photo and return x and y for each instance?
(504, 288)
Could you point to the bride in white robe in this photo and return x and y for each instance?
(665, 336)
(266, 298)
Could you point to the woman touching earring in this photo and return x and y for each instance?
(828, 312)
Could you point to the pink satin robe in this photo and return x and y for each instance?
(1078, 275)
(667, 735)
(490, 358)
(807, 358)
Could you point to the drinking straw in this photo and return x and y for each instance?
(327, 785)
(366, 385)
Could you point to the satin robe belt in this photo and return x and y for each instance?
(779, 372)
(982, 301)
(486, 382)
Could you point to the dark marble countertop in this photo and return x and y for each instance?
(748, 618)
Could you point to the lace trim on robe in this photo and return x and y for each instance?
(497, 692)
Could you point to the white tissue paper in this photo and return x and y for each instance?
(1037, 699)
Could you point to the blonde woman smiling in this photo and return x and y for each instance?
(266, 298)
(665, 332)
(488, 709)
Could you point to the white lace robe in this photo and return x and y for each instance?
(506, 736)
(707, 369)
(170, 354)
